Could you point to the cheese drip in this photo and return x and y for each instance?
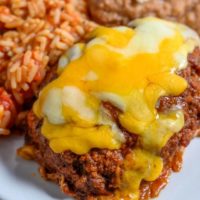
(131, 68)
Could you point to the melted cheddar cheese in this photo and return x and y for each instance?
(139, 165)
(131, 68)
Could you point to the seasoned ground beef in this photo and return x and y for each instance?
(98, 172)
(117, 12)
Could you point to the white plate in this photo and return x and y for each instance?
(19, 179)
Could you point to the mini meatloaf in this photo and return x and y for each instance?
(118, 12)
(135, 163)
(97, 172)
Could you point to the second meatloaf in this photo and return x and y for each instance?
(117, 12)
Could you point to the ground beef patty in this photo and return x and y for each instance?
(117, 12)
(98, 172)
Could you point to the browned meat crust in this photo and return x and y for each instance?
(98, 172)
(117, 12)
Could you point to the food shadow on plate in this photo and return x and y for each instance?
(25, 171)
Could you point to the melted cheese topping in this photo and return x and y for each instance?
(139, 165)
(130, 68)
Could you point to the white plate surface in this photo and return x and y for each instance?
(19, 179)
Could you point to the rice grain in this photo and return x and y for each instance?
(34, 34)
